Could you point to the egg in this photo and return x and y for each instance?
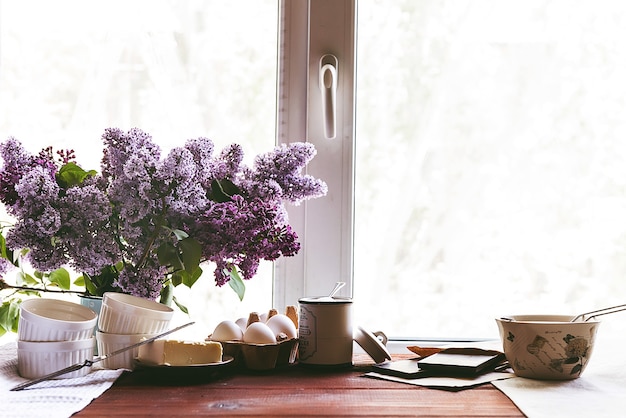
(280, 323)
(259, 333)
(243, 323)
(227, 331)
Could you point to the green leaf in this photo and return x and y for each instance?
(26, 279)
(177, 277)
(229, 187)
(191, 251)
(180, 235)
(168, 256)
(190, 278)
(3, 248)
(180, 306)
(235, 282)
(167, 294)
(222, 190)
(61, 278)
(89, 285)
(9, 316)
(71, 174)
(80, 281)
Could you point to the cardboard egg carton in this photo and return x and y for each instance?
(263, 357)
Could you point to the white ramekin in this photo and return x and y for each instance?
(39, 358)
(108, 343)
(55, 320)
(127, 314)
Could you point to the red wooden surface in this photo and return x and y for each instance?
(292, 392)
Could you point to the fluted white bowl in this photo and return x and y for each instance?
(39, 358)
(127, 314)
(55, 320)
(108, 343)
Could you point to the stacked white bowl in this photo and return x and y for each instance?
(54, 334)
(126, 320)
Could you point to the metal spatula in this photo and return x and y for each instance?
(89, 363)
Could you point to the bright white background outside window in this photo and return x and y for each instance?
(490, 162)
(176, 69)
(490, 138)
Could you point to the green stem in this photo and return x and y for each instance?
(5, 285)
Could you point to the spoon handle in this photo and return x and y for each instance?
(599, 312)
(69, 369)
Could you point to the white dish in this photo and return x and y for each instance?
(108, 343)
(39, 358)
(127, 314)
(55, 320)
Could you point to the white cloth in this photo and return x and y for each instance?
(599, 392)
(54, 398)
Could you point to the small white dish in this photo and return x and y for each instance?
(108, 343)
(55, 320)
(39, 358)
(127, 314)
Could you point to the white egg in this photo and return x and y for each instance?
(259, 333)
(227, 331)
(243, 323)
(282, 324)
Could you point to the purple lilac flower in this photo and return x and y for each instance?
(228, 164)
(241, 233)
(127, 212)
(145, 282)
(87, 234)
(177, 177)
(282, 168)
(202, 150)
(17, 162)
(5, 266)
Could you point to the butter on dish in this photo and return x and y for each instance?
(180, 353)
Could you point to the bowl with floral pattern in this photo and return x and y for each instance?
(548, 347)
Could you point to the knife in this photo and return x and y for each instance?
(89, 363)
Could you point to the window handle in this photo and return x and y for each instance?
(328, 87)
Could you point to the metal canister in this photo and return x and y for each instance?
(325, 333)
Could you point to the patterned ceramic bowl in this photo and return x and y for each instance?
(108, 343)
(547, 346)
(39, 358)
(127, 314)
(55, 320)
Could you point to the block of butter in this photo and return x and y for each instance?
(180, 353)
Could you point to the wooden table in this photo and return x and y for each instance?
(295, 391)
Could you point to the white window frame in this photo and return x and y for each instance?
(310, 29)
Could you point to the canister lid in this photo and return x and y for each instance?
(325, 300)
(372, 345)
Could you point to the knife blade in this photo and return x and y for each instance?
(88, 363)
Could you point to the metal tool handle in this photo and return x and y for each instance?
(72, 368)
(599, 312)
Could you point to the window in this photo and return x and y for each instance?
(490, 175)
(488, 162)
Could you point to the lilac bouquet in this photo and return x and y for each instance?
(146, 223)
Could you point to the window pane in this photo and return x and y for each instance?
(490, 162)
(176, 69)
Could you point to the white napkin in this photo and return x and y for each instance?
(599, 392)
(53, 398)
